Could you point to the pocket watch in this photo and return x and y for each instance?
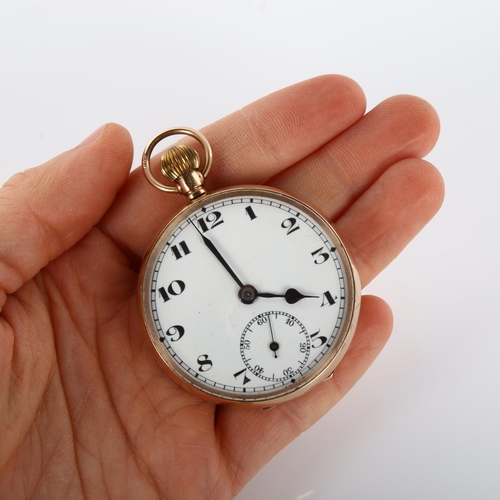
(248, 295)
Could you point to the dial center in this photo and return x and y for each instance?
(248, 294)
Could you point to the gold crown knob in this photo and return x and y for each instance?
(178, 161)
(180, 164)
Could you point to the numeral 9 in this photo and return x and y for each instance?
(175, 333)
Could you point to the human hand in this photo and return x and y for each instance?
(85, 410)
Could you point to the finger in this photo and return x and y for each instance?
(249, 146)
(378, 226)
(336, 175)
(249, 439)
(278, 130)
(46, 210)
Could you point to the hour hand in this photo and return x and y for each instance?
(291, 296)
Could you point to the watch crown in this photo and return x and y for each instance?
(181, 164)
(179, 160)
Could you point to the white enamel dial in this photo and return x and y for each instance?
(249, 296)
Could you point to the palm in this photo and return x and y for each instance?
(87, 410)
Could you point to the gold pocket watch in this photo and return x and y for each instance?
(248, 295)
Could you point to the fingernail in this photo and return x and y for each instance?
(93, 136)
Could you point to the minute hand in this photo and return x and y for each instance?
(291, 296)
(220, 258)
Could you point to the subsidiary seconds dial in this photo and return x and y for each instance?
(275, 346)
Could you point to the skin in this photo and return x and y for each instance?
(85, 410)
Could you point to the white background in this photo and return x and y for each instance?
(424, 422)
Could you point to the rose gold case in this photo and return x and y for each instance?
(311, 379)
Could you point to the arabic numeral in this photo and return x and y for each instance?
(258, 370)
(210, 221)
(175, 333)
(290, 225)
(181, 250)
(204, 362)
(175, 288)
(318, 341)
(320, 256)
(328, 299)
(250, 213)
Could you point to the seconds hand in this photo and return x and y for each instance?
(274, 346)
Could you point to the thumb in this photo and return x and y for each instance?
(44, 211)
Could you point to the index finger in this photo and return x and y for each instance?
(249, 146)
